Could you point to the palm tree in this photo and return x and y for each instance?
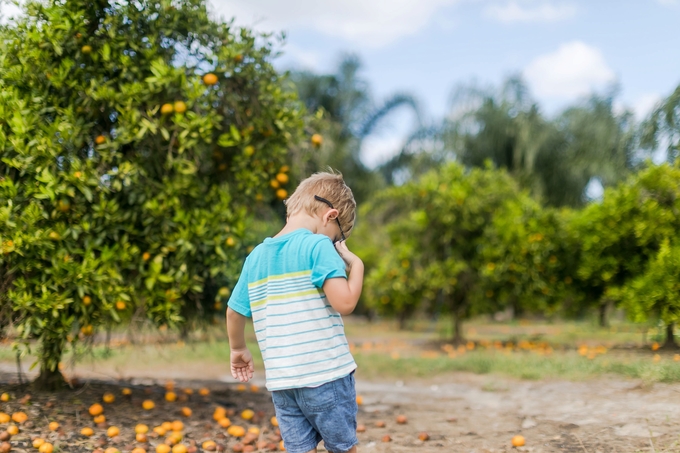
(346, 101)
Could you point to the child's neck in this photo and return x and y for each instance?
(298, 221)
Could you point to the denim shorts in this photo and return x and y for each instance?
(309, 415)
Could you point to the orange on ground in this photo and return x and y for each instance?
(219, 413)
(386, 438)
(177, 425)
(171, 397)
(113, 431)
(141, 429)
(247, 414)
(361, 428)
(87, 431)
(109, 398)
(518, 441)
(204, 391)
(163, 448)
(281, 446)
(424, 436)
(179, 448)
(401, 419)
(173, 439)
(4, 397)
(241, 388)
(380, 424)
(19, 417)
(141, 437)
(274, 421)
(188, 391)
(236, 431)
(99, 419)
(38, 442)
(209, 445)
(254, 430)
(126, 391)
(4, 418)
(167, 426)
(148, 405)
(53, 426)
(160, 430)
(360, 400)
(46, 448)
(112, 450)
(210, 79)
(138, 450)
(224, 422)
(186, 411)
(12, 430)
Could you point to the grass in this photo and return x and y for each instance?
(383, 352)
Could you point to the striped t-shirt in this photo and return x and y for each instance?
(302, 338)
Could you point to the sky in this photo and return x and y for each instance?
(564, 49)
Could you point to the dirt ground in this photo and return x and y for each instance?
(461, 412)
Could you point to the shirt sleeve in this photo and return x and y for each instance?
(239, 301)
(326, 263)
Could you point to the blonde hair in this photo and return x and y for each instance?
(330, 186)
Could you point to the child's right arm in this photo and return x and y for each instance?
(342, 294)
(242, 367)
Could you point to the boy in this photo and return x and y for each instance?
(296, 286)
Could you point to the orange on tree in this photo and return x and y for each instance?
(46, 448)
(109, 398)
(518, 441)
(230, 241)
(148, 405)
(113, 431)
(53, 426)
(281, 194)
(282, 178)
(77, 174)
(249, 150)
(87, 300)
(87, 330)
(210, 79)
(146, 256)
(100, 139)
(238, 58)
(86, 49)
(87, 431)
(180, 107)
(317, 140)
(275, 184)
(54, 235)
(120, 305)
(167, 109)
(284, 169)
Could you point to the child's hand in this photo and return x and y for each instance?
(348, 257)
(242, 367)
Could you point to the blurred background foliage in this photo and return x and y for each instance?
(132, 185)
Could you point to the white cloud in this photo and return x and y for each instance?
(574, 69)
(370, 23)
(530, 11)
(668, 2)
(644, 104)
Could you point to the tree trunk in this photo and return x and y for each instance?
(402, 320)
(50, 378)
(458, 338)
(670, 340)
(603, 314)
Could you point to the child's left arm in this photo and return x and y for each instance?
(241, 359)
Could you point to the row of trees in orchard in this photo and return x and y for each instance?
(469, 241)
(136, 141)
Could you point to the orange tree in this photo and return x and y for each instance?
(619, 238)
(135, 139)
(436, 227)
(528, 262)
